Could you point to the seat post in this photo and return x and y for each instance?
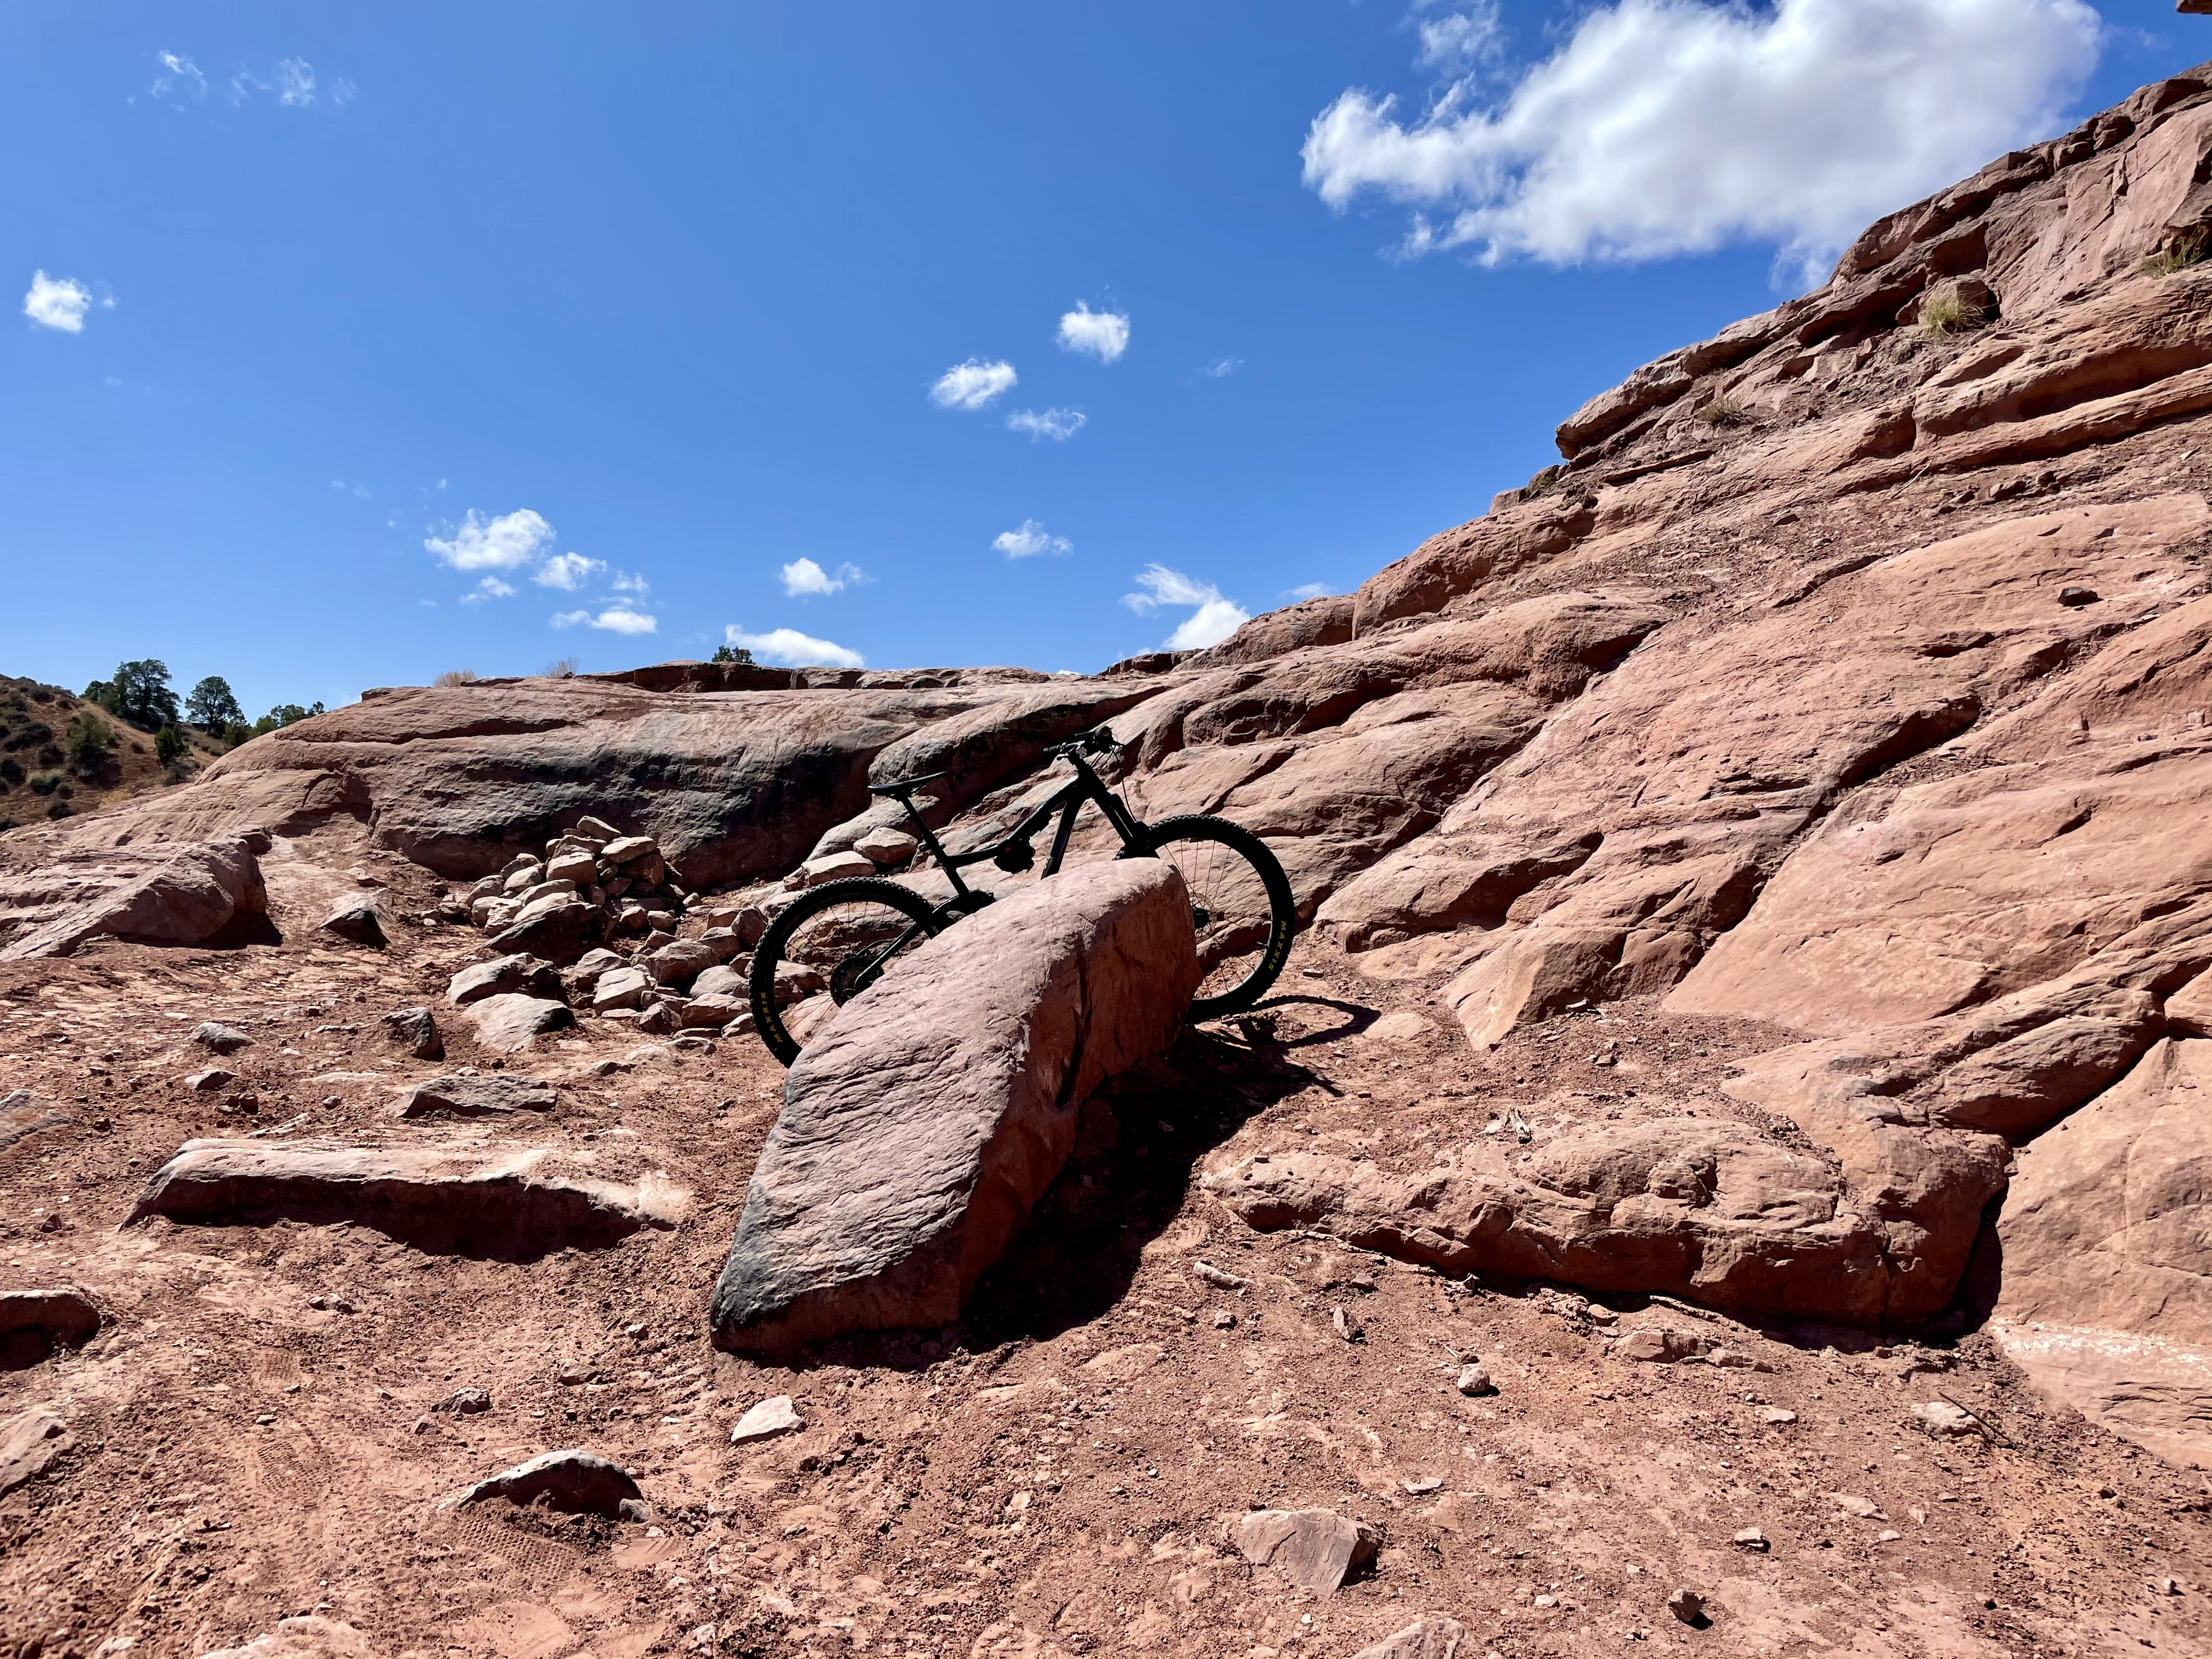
(930, 841)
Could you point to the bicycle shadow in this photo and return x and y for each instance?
(1139, 1146)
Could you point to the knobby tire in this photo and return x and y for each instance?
(1282, 909)
(768, 955)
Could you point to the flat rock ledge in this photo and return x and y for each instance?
(1696, 1207)
(927, 1117)
(460, 1199)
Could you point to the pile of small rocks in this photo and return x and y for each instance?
(624, 877)
(610, 906)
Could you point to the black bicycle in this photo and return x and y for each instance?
(842, 936)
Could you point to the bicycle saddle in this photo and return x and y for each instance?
(905, 784)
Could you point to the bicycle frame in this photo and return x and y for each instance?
(1066, 800)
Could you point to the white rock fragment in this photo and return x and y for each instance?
(773, 1416)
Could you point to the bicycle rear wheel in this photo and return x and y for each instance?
(841, 938)
(1240, 904)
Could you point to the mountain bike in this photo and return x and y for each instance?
(843, 936)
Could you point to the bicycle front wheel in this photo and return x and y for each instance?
(1240, 905)
(840, 939)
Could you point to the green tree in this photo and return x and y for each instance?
(89, 739)
(169, 743)
(731, 653)
(236, 732)
(139, 693)
(212, 706)
(285, 713)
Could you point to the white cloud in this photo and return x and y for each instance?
(179, 79)
(489, 589)
(567, 571)
(1461, 42)
(1057, 424)
(803, 577)
(1310, 591)
(296, 82)
(1663, 127)
(794, 649)
(506, 543)
(973, 385)
(1104, 334)
(616, 619)
(1213, 620)
(1029, 540)
(1221, 366)
(58, 302)
(625, 582)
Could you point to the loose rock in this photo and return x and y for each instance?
(464, 1401)
(221, 1039)
(1946, 1421)
(1752, 1539)
(1312, 1547)
(773, 1416)
(1688, 1606)
(505, 976)
(416, 1029)
(1475, 1379)
(575, 1481)
(362, 919)
(515, 1204)
(513, 1022)
(484, 1094)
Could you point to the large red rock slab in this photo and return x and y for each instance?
(923, 1121)
(198, 893)
(1337, 756)
(2084, 819)
(1693, 1206)
(1326, 621)
(732, 784)
(472, 1200)
(1701, 760)
(2105, 1295)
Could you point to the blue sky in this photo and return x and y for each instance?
(332, 314)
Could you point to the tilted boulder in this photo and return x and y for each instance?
(930, 1113)
(560, 927)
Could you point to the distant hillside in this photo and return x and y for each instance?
(38, 779)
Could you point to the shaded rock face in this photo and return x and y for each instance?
(923, 1121)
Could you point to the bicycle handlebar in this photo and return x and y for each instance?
(1099, 741)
